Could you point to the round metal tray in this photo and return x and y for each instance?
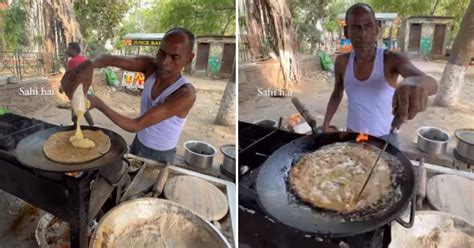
(151, 222)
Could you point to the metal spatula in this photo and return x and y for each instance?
(392, 131)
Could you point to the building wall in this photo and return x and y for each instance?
(216, 53)
(402, 34)
(427, 35)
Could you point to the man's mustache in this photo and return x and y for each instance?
(160, 69)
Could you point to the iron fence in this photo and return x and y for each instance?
(22, 64)
(245, 55)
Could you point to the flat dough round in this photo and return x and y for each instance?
(198, 196)
(58, 147)
(332, 177)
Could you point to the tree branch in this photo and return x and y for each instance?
(225, 8)
(435, 6)
(229, 17)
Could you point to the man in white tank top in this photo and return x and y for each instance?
(166, 100)
(369, 77)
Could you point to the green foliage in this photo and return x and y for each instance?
(38, 39)
(456, 10)
(138, 20)
(94, 47)
(13, 27)
(307, 13)
(336, 7)
(403, 7)
(99, 21)
(4, 111)
(406, 8)
(202, 17)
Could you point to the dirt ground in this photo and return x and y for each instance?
(199, 125)
(316, 89)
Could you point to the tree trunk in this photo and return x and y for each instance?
(63, 12)
(52, 25)
(254, 36)
(463, 49)
(226, 114)
(281, 28)
(274, 18)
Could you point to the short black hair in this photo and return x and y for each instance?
(75, 47)
(357, 5)
(180, 30)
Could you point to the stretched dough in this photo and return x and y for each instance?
(78, 140)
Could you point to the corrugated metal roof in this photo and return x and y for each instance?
(385, 16)
(431, 17)
(378, 16)
(144, 36)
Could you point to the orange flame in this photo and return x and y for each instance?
(71, 174)
(362, 137)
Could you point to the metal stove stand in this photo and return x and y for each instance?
(74, 199)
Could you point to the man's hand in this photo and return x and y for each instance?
(329, 129)
(409, 99)
(95, 102)
(81, 74)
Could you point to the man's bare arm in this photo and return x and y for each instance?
(411, 94)
(409, 71)
(144, 64)
(83, 73)
(337, 93)
(179, 102)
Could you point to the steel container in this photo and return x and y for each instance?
(199, 154)
(465, 145)
(432, 140)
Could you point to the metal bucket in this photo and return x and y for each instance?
(199, 154)
(432, 140)
(465, 145)
(229, 158)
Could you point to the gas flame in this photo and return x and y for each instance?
(362, 137)
(71, 174)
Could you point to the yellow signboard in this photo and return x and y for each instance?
(145, 43)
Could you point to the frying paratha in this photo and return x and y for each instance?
(58, 147)
(332, 177)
